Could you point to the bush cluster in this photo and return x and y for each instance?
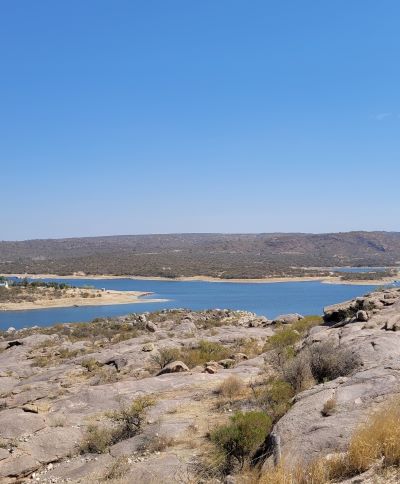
(241, 437)
(122, 424)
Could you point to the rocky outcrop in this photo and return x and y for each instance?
(53, 385)
(368, 327)
(287, 318)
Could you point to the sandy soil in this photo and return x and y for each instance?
(72, 297)
(266, 280)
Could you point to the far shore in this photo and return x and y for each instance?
(106, 298)
(265, 280)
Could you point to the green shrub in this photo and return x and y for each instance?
(240, 438)
(282, 344)
(205, 351)
(166, 356)
(283, 338)
(308, 322)
(275, 398)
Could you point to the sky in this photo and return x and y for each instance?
(154, 116)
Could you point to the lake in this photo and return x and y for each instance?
(265, 299)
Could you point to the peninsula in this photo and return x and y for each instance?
(40, 295)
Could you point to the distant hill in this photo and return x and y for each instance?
(218, 255)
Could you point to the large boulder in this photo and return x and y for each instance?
(174, 367)
(288, 318)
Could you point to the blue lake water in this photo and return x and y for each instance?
(265, 299)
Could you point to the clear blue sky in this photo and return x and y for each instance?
(124, 117)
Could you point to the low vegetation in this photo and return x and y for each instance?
(233, 256)
(241, 437)
(374, 443)
(231, 387)
(120, 424)
(274, 397)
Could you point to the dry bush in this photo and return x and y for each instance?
(122, 424)
(118, 469)
(231, 387)
(282, 343)
(297, 372)
(41, 361)
(91, 364)
(319, 363)
(209, 465)
(130, 418)
(328, 362)
(165, 356)
(159, 443)
(376, 441)
(97, 439)
(103, 375)
(329, 407)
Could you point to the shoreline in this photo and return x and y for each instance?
(265, 280)
(108, 298)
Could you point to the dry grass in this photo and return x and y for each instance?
(329, 407)
(231, 387)
(379, 438)
(316, 473)
(97, 439)
(375, 442)
(159, 443)
(50, 356)
(118, 469)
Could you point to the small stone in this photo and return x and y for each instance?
(151, 327)
(148, 347)
(362, 315)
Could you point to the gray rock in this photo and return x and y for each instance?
(212, 367)
(18, 466)
(287, 318)
(174, 367)
(117, 362)
(151, 327)
(148, 347)
(362, 315)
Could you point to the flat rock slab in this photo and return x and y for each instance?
(51, 444)
(15, 423)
